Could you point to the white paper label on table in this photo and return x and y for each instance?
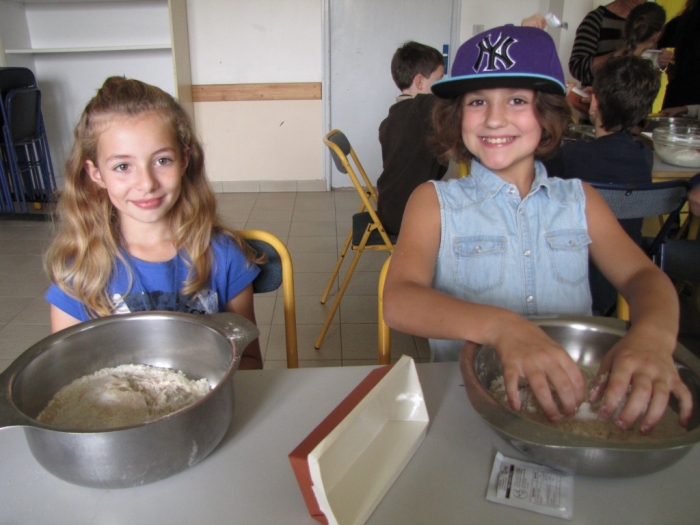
(531, 487)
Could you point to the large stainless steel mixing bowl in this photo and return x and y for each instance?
(586, 339)
(202, 346)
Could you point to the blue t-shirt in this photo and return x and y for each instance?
(156, 286)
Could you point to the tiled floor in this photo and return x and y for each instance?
(312, 224)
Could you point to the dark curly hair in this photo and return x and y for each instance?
(625, 88)
(552, 111)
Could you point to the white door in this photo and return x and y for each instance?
(363, 37)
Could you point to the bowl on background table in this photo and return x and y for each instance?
(579, 132)
(660, 121)
(678, 146)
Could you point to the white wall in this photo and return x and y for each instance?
(495, 13)
(500, 12)
(277, 41)
(255, 41)
(251, 42)
(261, 41)
(13, 28)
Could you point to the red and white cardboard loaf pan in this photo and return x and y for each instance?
(347, 464)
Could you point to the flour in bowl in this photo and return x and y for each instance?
(122, 396)
(586, 421)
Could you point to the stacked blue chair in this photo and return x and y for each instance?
(27, 171)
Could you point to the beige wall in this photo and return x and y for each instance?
(262, 145)
(259, 145)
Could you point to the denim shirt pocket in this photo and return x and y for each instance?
(480, 261)
(568, 254)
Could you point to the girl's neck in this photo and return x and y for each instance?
(151, 244)
(521, 175)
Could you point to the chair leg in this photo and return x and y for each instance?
(383, 329)
(693, 228)
(336, 270)
(290, 314)
(623, 309)
(343, 287)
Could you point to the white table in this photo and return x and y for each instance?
(664, 171)
(248, 479)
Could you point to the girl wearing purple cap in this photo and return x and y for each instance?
(478, 255)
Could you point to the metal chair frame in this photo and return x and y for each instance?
(27, 146)
(641, 200)
(277, 271)
(342, 152)
(34, 158)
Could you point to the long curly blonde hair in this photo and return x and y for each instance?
(86, 246)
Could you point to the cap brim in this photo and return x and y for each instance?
(454, 87)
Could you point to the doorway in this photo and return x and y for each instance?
(361, 38)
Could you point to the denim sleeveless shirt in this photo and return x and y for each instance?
(528, 255)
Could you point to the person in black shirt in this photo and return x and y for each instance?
(407, 158)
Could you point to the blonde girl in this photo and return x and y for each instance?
(137, 227)
(478, 255)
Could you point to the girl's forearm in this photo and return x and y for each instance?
(654, 306)
(426, 312)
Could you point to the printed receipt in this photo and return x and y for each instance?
(532, 487)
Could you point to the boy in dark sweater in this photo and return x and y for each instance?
(407, 158)
(624, 89)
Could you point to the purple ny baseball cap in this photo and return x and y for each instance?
(506, 56)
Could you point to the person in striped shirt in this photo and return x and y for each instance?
(598, 36)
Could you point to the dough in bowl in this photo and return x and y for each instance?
(123, 396)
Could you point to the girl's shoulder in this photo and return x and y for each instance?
(459, 193)
(223, 245)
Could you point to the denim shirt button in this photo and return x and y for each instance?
(526, 253)
(529, 298)
(477, 249)
(511, 191)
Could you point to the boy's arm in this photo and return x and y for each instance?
(643, 358)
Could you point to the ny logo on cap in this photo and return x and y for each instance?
(497, 52)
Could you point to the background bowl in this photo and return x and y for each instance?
(579, 132)
(678, 146)
(659, 121)
(587, 340)
(202, 346)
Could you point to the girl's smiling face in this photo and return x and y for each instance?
(140, 165)
(500, 128)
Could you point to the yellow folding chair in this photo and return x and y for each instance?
(367, 232)
(277, 271)
(383, 328)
